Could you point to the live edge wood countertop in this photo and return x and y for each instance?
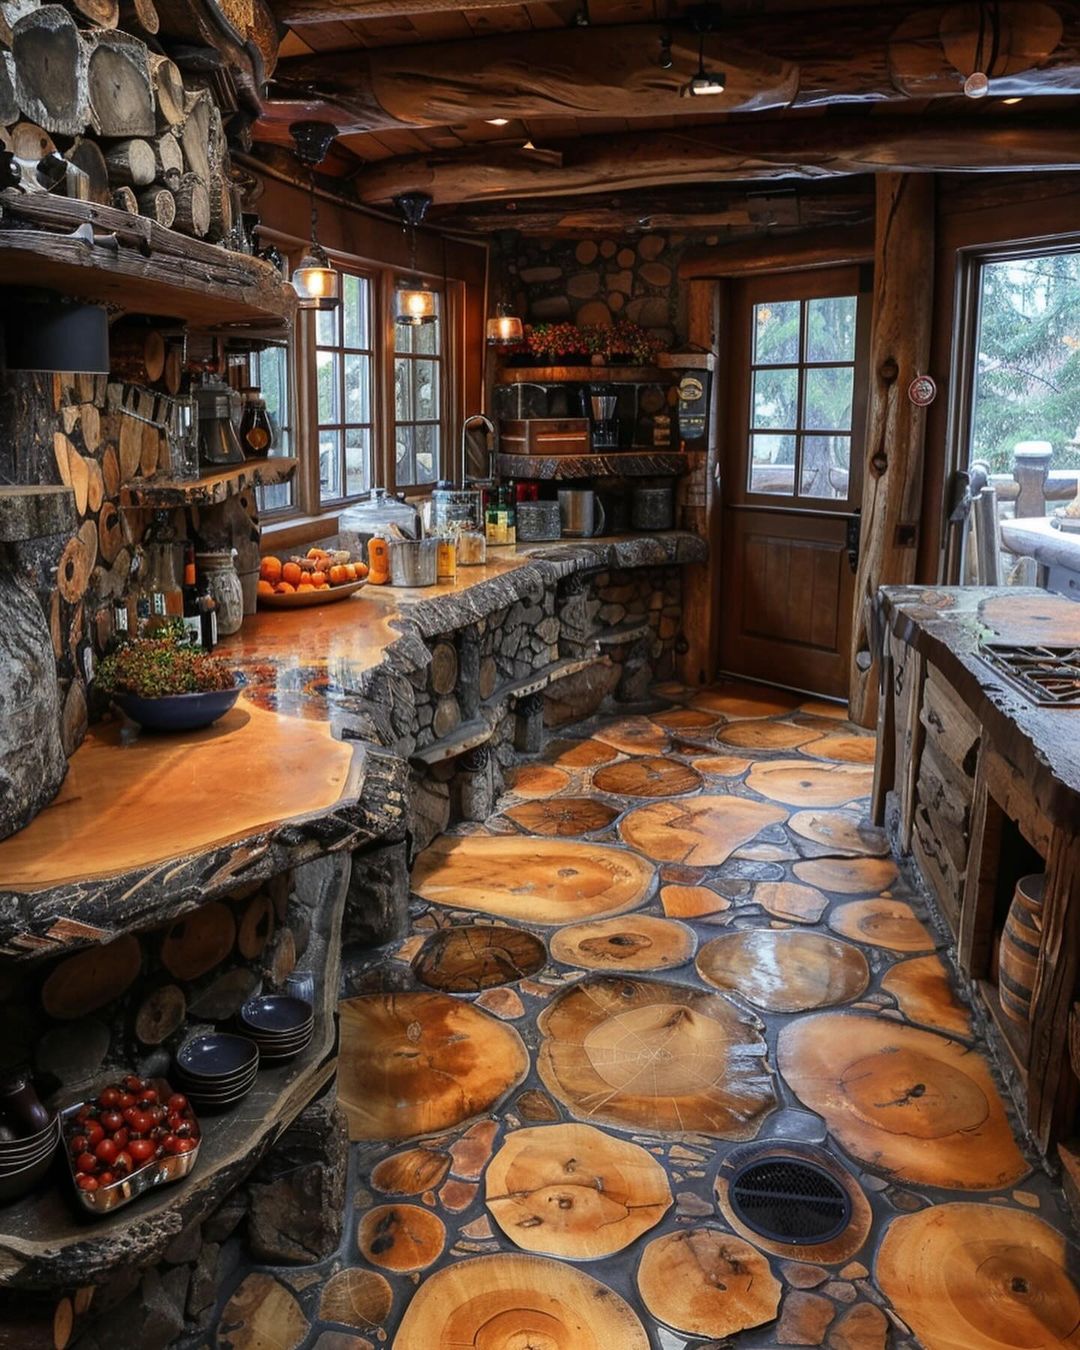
(947, 624)
(141, 832)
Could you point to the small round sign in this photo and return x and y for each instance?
(922, 390)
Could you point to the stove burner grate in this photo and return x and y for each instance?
(1047, 676)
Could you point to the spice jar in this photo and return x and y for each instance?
(222, 582)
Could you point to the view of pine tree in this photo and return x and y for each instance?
(1027, 382)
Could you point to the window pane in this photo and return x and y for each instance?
(776, 333)
(354, 311)
(326, 365)
(326, 327)
(826, 463)
(830, 329)
(425, 391)
(426, 450)
(772, 465)
(330, 463)
(776, 397)
(270, 372)
(357, 461)
(828, 398)
(405, 471)
(1027, 375)
(403, 401)
(357, 388)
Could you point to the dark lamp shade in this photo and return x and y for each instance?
(51, 335)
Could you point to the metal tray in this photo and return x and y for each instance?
(159, 1173)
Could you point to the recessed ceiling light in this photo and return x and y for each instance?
(1012, 100)
(496, 121)
(528, 146)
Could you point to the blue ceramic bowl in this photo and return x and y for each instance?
(216, 1056)
(274, 1015)
(178, 712)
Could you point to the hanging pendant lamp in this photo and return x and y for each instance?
(416, 303)
(317, 284)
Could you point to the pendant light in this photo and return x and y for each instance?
(415, 301)
(316, 283)
(703, 83)
(505, 329)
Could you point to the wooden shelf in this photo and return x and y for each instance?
(687, 361)
(583, 375)
(212, 487)
(110, 257)
(1008, 1032)
(601, 464)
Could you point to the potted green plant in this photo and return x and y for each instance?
(166, 685)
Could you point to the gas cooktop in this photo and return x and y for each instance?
(1047, 676)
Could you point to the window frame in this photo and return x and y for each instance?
(438, 357)
(291, 427)
(343, 425)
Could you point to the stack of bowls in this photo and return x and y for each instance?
(23, 1162)
(216, 1070)
(281, 1025)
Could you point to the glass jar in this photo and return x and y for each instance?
(471, 548)
(183, 435)
(219, 571)
(446, 558)
(256, 434)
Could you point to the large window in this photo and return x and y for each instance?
(343, 362)
(270, 373)
(1026, 384)
(418, 400)
(802, 397)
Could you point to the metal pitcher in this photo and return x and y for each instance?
(582, 515)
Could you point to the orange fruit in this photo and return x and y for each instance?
(317, 579)
(270, 568)
(361, 570)
(292, 574)
(304, 586)
(284, 588)
(338, 575)
(317, 553)
(323, 586)
(265, 587)
(350, 571)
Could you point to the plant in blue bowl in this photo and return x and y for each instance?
(165, 685)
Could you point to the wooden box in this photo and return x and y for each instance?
(545, 436)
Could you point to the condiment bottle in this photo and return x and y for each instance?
(446, 558)
(256, 434)
(378, 552)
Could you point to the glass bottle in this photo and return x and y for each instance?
(492, 522)
(510, 527)
(160, 596)
(208, 630)
(256, 434)
(193, 624)
(446, 557)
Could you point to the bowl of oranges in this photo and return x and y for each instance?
(321, 576)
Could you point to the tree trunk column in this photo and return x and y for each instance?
(895, 427)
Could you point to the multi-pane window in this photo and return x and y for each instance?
(343, 362)
(802, 385)
(270, 373)
(418, 400)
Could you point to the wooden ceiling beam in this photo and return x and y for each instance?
(873, 55)
(795, 148)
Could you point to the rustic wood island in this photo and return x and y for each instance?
(981, 786)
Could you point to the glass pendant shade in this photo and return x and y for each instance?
(415, 305)
(505, 330)
(316, 283)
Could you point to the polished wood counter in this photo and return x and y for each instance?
(144, 831)
(981, 785)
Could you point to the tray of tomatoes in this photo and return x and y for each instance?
(319, 577)
(135, 1134)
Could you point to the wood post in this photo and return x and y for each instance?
(895, 427)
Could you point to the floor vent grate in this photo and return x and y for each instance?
(788, 1200)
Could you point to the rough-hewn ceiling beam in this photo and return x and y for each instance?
(790, 148)
(873, 55)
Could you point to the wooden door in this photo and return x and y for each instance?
(790, 475)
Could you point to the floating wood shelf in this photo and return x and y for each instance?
(687, 361)
(628, 632)
(608, 464)
(111, 257)
(466, 737)
(583, 375)
(212, 487)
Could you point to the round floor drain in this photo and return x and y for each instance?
(788, 1200)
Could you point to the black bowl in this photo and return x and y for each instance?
(272, 1015)
(178, 712)
(215, 1056)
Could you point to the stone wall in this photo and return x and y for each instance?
(594, 281)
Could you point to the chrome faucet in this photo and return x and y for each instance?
(476, 419)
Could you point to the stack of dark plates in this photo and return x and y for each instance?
(281, 1025)
(23, 1162)
(216, 1070)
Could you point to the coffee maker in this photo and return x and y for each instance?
(603, 400)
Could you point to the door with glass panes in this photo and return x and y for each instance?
(790, 467)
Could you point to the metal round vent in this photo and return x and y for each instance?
(789, 1200)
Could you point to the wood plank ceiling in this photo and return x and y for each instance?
(481, 177)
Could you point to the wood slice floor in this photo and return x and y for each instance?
(677, 947)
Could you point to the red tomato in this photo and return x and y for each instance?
(105, 1179)
(185, 1145)
(79, 1144)
(142, 1150)
(169, 1143)
(86, 1162)
(86, 1183)
(133, 1083)
(140, 1123)
(121, 1137)
(94, 1132)
(123, 1164)
(106, 1151)
(110, 1097)
(127, 1099)
(148, 1097)
(177, 1102)
(111, 1121)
